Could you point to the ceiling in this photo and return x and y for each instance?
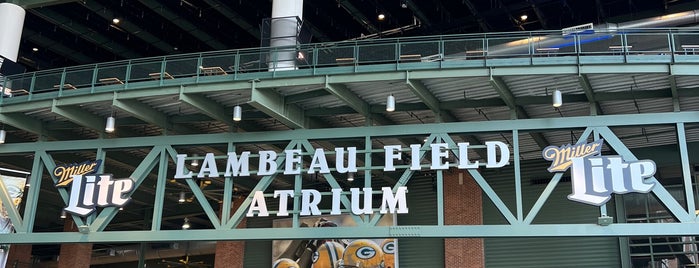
(60, 33)
(70, 33)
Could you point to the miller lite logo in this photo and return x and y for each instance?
(87, 192)
(594, 177)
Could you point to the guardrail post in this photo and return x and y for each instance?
(94, 79)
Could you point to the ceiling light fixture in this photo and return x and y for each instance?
(111, 124)
(195, 162)
(116, 20)
(381, 16)
(186, 225)
(3, 135)
(404, 3)
(557, 98)
(390, 103)
(350, 176)
(63, 214)
(35, 49)
(182, 198)
(524, 17)
(237, 113)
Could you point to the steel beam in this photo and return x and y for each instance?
(595, 108)
(347, 96)
(79, 116)
(183, 24)
(273, 104)
(208, 107)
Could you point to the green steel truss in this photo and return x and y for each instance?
(162, 152)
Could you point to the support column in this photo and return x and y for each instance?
(231, 253)
(19, 256)
(284, 28)
(11, 24)
(464, 201)
(74, 255)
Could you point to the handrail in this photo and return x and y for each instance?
(442, 51)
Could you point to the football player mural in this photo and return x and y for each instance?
(342, 253)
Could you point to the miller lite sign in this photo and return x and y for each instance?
(595, 177)
(89, 190)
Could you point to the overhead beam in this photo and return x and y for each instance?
(358, 16)
(29, 4)
(420, 90)
(235, 17)
(43, 41)
(273, 104)
(149, 114)
(128, 26)
(207, 107)
(23, 122)
(595, 108)
(347, 96)
(516, 110)
(675, 94)
(79, 116)
(479, 18)
(424, 19)
(85, 32)
(184, 24)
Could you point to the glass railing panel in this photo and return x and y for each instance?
(111, 74)
(686, 43)
(75, 79)
(648, 44)
(510, 46)
(45, 82)
(335, 55)
(601, 44)
(219, 64)
(379, 53)
(464, 49)
(144, 71)
(255, 61)
(181, 67)
(420, 51)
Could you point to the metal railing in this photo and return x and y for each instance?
(668, 45)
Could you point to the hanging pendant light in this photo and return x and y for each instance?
(237, 113)
(557, 98)
(111, 123)
(390, 103)
(3, 135)
(350, 176)
(182, 198)
(186, 225)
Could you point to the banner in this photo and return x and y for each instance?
(15, 187)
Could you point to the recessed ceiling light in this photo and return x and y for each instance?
(35, 49)
(382, 16)
(116, 20)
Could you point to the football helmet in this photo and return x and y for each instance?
(362, 253)
(328, 255)
(285, 263)
(388, 246)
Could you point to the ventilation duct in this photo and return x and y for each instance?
(556, 41)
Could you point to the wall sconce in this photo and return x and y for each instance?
(111, 124)
(237, 113)
(557, 98)
(182, 198)
(390, 103)
(186, 225)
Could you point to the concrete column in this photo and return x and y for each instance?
(230, 254)
(19, 256)
(283, 30)
(463, 199)
(74, 255)
(11, 24)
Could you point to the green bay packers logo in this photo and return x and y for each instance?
(366, 252)
(389, 247)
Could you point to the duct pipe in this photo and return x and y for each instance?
(522, 46)
(11, 24)
(284, 28)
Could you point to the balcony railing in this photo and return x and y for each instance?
(671, 45)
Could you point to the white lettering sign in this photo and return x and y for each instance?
(90, 191)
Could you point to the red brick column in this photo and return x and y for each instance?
(21, 255)
(464, 205)
(74, 255)
(230, 254)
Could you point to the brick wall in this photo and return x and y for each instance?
(230, 254)
(463, 204)
(74, 255)
(21, 255)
